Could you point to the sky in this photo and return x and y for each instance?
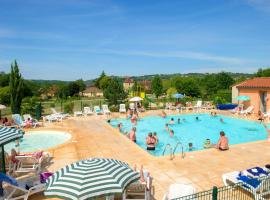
(72, 39)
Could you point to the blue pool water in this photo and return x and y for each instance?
(196, 132)
(39, 140)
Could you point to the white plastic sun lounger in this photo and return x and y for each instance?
(122, 108)
(58, 114)
(106, 110)
(78, 113)
(178, 190)
(258, 191)
(18, 120)
(87, 111)
(249, 110)
(12, 192)
(35, 122)
(138, 190)
(97, 110)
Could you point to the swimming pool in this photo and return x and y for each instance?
(39, 140)
(194, 131)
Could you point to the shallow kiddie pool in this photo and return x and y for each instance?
(39, 140)
(193, 131)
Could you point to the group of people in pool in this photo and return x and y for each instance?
(152, 139)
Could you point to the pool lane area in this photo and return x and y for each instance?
(190, 130)
(38, 140)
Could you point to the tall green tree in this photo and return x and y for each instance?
(16, 88)
(224, 80)
(97, 81)
(156, 86)
(115, 92)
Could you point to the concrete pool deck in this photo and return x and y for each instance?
(93, 137)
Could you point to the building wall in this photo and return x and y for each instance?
(234, 94)
(255, 100)
(127, 86)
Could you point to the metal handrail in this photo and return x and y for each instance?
(182, 149)
(166, 147)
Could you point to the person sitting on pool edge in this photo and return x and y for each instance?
(223, 143)
(190, 146)
(150, 142)
(120, 126)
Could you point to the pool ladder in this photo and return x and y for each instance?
(172, 150)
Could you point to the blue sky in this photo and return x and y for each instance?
(71, 39)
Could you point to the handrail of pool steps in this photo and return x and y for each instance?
(182, 149)
(166, 147)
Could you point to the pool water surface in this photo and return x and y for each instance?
(193, 131)
(39, 140)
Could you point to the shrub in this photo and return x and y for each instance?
(114, 108)
(52, 105)
(68, 107)
(145, 104)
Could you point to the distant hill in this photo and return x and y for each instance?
(168, 76)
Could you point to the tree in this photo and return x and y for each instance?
(97, 81)
(188, 86)
(104, 82)
(171, 91)
(16, 89)
(4, 79)
(81, 85)
(263, 72)
(5, 95)
(224, 80)
(156, 85)
(73, 89)
(114, 92)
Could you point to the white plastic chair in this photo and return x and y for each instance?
(97, 110)
(12, 192)
(122, 108)
(178, 190)
(105, 109)
(87, 111)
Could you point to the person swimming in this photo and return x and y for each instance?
(120, 126)
(132, 134)
(178, 120)
(221, 120)
(171, 121)
(197, 119)
(171, 133)
(167, 127)
(207, 144)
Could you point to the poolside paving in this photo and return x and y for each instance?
(94, 137)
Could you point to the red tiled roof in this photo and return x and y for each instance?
(260, 82)
(128, 80)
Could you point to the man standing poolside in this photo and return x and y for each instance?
(223, 143)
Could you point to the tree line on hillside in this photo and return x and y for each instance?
(15, 90)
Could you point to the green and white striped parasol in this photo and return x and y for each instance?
(90, 178)
(8, 135)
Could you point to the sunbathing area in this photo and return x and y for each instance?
(170, 176)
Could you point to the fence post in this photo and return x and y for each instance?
(215, 193)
